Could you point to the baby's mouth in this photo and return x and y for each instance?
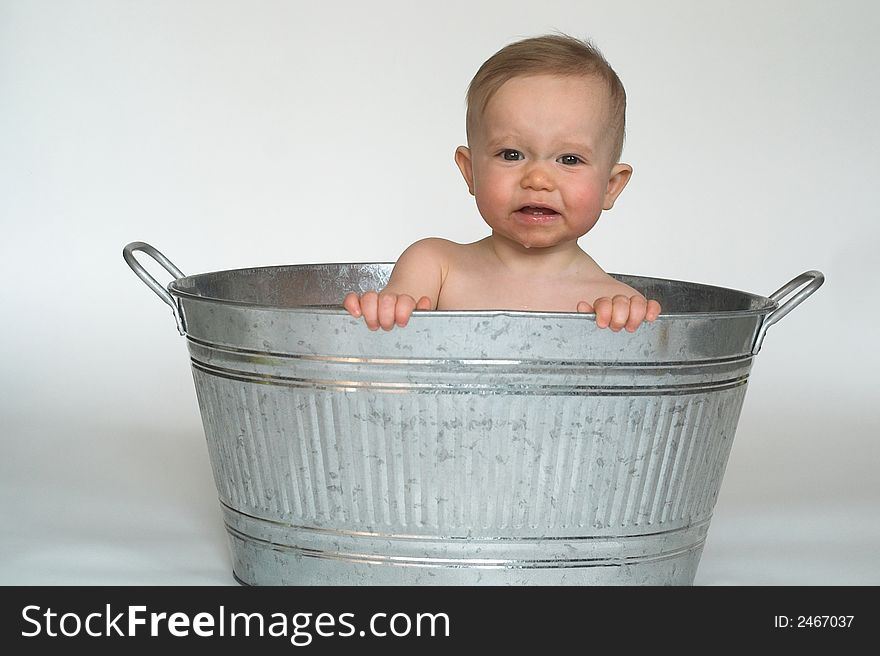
(535, 215)
(537, 211)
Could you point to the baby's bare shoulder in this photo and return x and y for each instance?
(436, 245)
(431, 247)
(425, 259)
(594, 282)
(608, 286)
(434, 250)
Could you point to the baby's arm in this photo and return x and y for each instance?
(621, 311)
(418, 274)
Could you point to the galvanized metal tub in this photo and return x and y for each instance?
(490, 447)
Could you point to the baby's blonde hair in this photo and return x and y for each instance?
(551, 54)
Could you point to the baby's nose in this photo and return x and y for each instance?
(537, 176)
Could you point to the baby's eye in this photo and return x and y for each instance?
(570, 160)
(511, 155)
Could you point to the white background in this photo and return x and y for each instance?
(233, 134)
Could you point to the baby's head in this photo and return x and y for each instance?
(545, 126)
(557, 55)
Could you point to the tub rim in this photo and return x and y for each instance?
(766, 305)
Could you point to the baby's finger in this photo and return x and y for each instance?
(387, 304)
(637, 307)
(424, 303)
(352, 303)
(619, 312)
(405, 305)
(583, 306)
(653, 310)
(602, 307)
(370, 309)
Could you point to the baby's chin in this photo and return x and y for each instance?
(539, 237)
(542, 243)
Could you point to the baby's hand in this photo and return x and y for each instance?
(621, 311)
(384, 309)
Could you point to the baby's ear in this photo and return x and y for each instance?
(465, 165)
(620, 175)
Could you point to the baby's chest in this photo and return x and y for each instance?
(500, 293)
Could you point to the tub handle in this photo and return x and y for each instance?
(141, 272)
(808, 282)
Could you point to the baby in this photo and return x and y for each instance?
(545, 125)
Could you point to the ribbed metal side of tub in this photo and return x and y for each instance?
(366, 470)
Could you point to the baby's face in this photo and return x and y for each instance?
(539, 159)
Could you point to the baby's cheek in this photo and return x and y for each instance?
(491, 201)
(587, 203)
(592, 197)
